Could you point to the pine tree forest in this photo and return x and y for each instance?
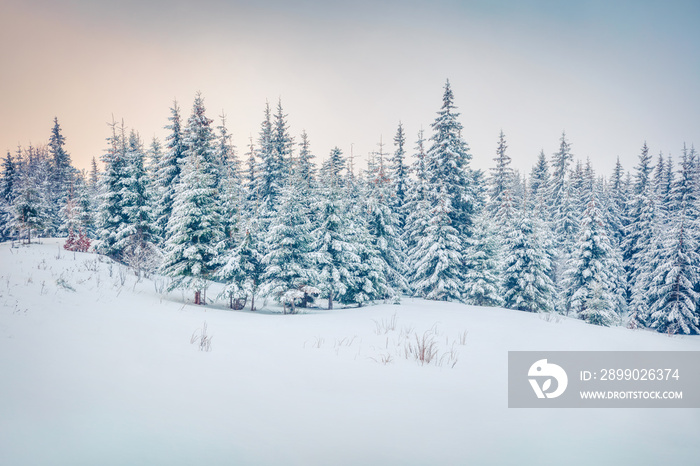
(276, 221)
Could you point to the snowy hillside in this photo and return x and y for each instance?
(97, 368)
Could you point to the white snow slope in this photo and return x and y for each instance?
(96, 372)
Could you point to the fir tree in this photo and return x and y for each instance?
(482, 280)
(539, 184)
(384, 227)
(270, 175)
(135, 237)
(94, 179)
(527, 267)
(417, 206)
(589, 278)
(85, 208)
(643, 261)
(9, 183)
(289, 276)
(502, 181)
(305, 168)
(168, 170)
(563, 198)
(447, 167)
(111, 215)
(243, 269)
(199, 139)
(673, 291)
(437, 255)
(369, 274)
(398, 174)
(667, 185)
(642, 217)
(226, 154)
(437, 258)
(62, 176)
(281, 144)
(252, 181)
(194, 235)
(334, 253)
(9, 179)
(559, 187)
(617, 207)
(29, 205)
(230, 189)
(334, 166)
(659, 175)
(418, 166)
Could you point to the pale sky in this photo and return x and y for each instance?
(613, 74)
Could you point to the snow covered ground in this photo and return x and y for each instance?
(96, 368)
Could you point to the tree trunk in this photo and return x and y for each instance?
(330, 300)
(252, 301)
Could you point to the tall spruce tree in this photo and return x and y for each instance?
(305, 168)
(8, 182)
(243, 268)
(290, 277)
(111, 214)
(195, 236)
(29, 205)
(501, 181)
(335, 254)
(270, 174)
(589, 280)
(167, 173)
(643, 214)
(539, 185)
(398, 174)
(437, 258)
(252, 174)
(282, 144)
(447, 166)
(674, 287)
(527, 285)
(482, 279)
(383, 225)
(136, 235)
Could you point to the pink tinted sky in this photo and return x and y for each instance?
(611, 75)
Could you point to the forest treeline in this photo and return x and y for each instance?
(269, 221)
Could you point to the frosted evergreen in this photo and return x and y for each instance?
(290, 277)
(242, 269)
(481, 257)
(195, 236)
(589, 282)
(527, 285)
(398, 174)
(437, 258)
(334, 252)
(167, 173)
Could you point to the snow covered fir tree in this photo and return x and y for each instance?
(280, 223)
